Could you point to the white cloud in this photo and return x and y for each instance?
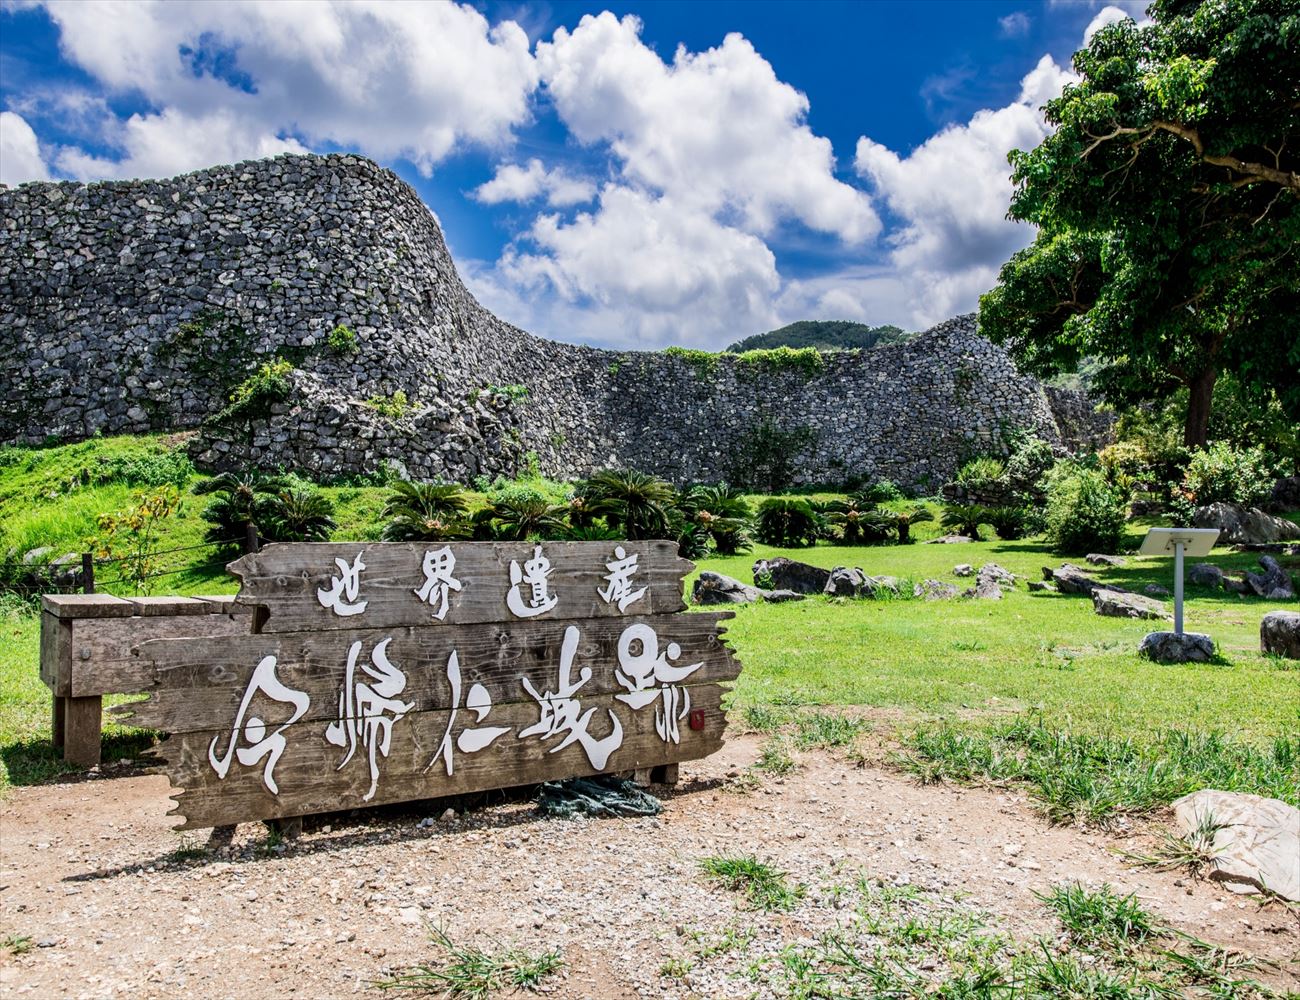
(1105, 16)
(20, 154)
(715, 130)
(1015, 24)
(952, 193)
(394, 80)
(515, 183)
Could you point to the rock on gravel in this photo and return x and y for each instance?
(1279, 633)
(1115, 604)
(1256, 841)
(1170, 647)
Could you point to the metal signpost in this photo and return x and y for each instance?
(1181, 542)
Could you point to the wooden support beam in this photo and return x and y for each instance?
(82, 717)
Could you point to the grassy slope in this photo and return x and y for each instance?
(960, 659)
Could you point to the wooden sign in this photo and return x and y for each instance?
(393, 672)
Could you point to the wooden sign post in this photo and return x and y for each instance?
(390, 672)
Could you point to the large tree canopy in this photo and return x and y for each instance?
(1167, 202)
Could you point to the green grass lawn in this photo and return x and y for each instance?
(973, 663)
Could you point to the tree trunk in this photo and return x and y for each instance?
(1200, 396)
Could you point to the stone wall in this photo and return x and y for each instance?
(137, 306)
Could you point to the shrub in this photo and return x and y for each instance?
(520, 514)
(299, 514)
(1084, 512)
(981, 472)
(857, 521)
(637, 503)
(964, 519)
(237, 499)
(342, 340)
(152, 469)
(1223, 473)
(881, 491)
(393, 407)
(902, 521)
(255, 396)
(788, 523)
(131, 536)
(1009, 522)
(426, 512)
(762, 458)
(1030, 460)
(723, 514)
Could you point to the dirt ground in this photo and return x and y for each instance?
(88, 871)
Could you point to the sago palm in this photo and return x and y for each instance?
(426, 512)
(638, 504)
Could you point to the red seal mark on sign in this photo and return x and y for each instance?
(697, 719)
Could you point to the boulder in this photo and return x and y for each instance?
(881, 586)
(1279, 633)
(845, 582)
(1172, 647)
(1255, 841)
(1274, 583)
(934, 590)
(1070, 579)
(1041, 586)
(1237, 586)
(1244, 525)
(1100, 559)
(781, 596)
(786, 574)
(1117, 604)
(1155, 590)
(714, 588)
(1205, 575)
(985, 589)
(36, 555)
(1286, 493)
(949, 540)
(996, 574)
(964, 569)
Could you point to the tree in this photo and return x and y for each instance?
(1168, 207)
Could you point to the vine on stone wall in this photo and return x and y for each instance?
(763, 457)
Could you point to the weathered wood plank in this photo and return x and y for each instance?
(309, 779)
(160, 605)
(82, 721)
(56, 654)
(86, 606)
(200, 683)
(104, 652)
(309, 587)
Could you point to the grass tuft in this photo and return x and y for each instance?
(1100, 918)
(763, 885)
(469, 973)
(774, 758)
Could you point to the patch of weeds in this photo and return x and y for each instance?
(1101, 917)
(1193, 853)
(1063, 977)
(971, 646)
(764, 718)
(729, 939)
(763, 885)
(676, 967)
(1216, 971)
(469, 973)
(189, 850)
(255, 396)
(17, 944)
(1280, 662)
(806, 360)
(342, 340)
(703, 363)
(393, 407)
(515, 393)
(824, 730)
(1092, 778)
(774, 758)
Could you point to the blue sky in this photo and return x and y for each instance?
(625, 174)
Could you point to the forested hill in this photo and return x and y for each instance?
(824, 334)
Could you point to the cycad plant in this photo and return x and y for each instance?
(788, 523)
(965, 519)
(638, 504)
(1009, 522)
(857, 521)
(426, 512)
(722, 514)
(237, 499)
(519, 516)
(903, 521)
(299, 514)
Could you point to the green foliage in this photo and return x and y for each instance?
(982, 472)
(824, 335)
(519, 512)
(723, 514)
(762, 458)
(964, 519)
(1084, 512)
(152, 469)
(214, 347)
(426, 512)
(514, 392)
(1100, 918)
(254, 397)
(237, 499)
(763, 885)
(640, 505)
(393, 407)
(1092, 778)
(703, 363)
(1167, 211)
(1221, 472)
(856, 520)
(1010, 523)
(881, 491)
(342, 340)
(902, 521)
(1029, 462)
(788, 523)
(807, 360)
(298, 514)
(470, 973)
(131, 537)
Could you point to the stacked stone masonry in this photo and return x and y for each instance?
(134, 306)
